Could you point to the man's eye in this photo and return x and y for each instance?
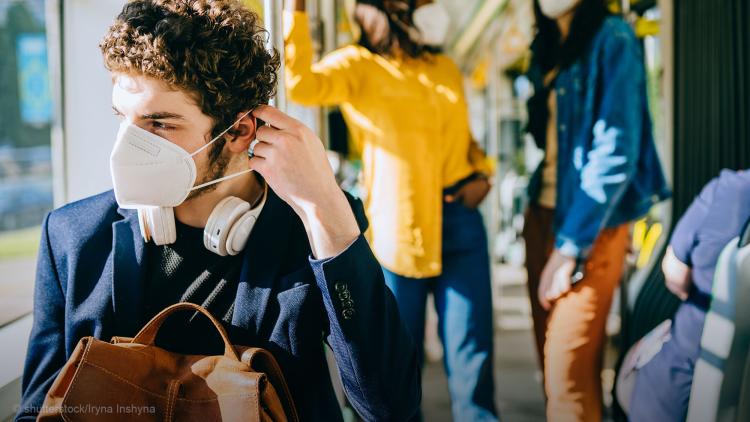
(159, 125)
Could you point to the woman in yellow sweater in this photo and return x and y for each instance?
(424, 176)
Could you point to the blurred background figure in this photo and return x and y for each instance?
(600, 171)
(423, 175)
(718, 214)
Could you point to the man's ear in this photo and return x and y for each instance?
(244, 134)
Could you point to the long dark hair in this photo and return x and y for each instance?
(399, 14)
(548, 53)
(547, 49)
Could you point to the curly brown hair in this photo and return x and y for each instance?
(213, 49)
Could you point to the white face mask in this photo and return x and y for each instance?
(150, 171)
(432, 22)
(553, 9)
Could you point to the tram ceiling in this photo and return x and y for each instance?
(489, 30)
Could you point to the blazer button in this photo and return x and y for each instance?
(344, 295)
(348, 303)
(340, 287)
(348, 313)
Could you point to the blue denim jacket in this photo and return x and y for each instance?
(608, 170)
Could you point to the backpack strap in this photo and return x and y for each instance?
(262, 360)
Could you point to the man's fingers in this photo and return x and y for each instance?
(274, 117)
(258, 164)
(270, 135)
(262, 149)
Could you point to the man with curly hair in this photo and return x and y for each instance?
(210, 208)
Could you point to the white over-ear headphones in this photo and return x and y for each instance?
(157, 223)
(226, 231)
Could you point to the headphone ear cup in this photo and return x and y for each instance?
(240, 232)
(143, 222)
(163, 229)
(220, 222)
(157, 224)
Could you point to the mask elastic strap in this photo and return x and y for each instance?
(231, 176)
(220, 135)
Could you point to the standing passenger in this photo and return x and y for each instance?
(423, 174)
(600, 172)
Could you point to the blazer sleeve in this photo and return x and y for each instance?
(376, 357)
(46, 353)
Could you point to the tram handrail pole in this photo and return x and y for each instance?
(272, 19)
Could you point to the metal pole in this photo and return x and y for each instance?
(54, 17)
(328, 16)
(492, 148)
(272, 19)
(315, 11)
(327, 38)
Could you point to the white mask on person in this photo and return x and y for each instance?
(553, 9)
(150, 171)
(432, 22)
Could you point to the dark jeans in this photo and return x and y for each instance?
(463, 301)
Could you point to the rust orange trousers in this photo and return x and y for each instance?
(570, 337)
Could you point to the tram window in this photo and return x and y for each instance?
(26, 114)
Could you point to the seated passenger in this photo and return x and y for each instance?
(662, 387)
(186, 74)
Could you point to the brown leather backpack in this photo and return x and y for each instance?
(132, 379)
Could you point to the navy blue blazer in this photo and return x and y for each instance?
(90, 282)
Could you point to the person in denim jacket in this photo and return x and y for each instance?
(601, 171)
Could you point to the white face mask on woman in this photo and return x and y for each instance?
(553, 9)
(150, 171)
(432, 22)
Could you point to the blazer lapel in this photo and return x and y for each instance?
(127, 273)
(263, 256)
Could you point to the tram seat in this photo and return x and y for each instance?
(721, 383)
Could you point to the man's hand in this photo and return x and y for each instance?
(677, 275)
(471, 194)
(555, 279)
(294, 163)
